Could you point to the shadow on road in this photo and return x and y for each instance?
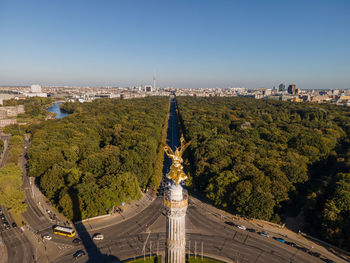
(92, 250)
(173, 138)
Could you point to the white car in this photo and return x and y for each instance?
(264, 234)
(241, 227)
(97, 236)
(47, 237)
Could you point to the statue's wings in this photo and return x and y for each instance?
(183, 147)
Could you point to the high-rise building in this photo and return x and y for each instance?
(154, 82)
(148, 88)
(281, 87)
(291, 89)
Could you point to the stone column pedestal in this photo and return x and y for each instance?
(175, 202)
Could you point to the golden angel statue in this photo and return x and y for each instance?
(176, 173)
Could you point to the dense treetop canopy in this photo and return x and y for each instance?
(252, 155)
(100, 155)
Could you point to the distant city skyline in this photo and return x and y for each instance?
(194, 44)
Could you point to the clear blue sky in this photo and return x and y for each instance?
(188, 43)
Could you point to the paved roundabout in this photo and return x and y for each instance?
(145, 234)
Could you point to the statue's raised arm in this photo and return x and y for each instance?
(176, 173)
(169, 152)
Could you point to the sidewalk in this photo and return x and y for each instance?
(96, 223)
(129, 210)
(221, 215)
(3, 251)
(45, 205)
(41, 247)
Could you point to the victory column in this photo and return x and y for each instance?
(176, 202)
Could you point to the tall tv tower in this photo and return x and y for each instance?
(154, 81)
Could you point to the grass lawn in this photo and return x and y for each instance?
(154, 259)
(199, 260)
(18, 218)
(158, 259)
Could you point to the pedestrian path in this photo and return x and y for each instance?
(260, 225)
(128, 210)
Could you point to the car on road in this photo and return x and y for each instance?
(251, 230)
(327, 260)
(97, 236)
(76, 241)
(14, 225)
(315, 254)
(264, 234)
(2, 216)
(279, 239)
(241, 227)
(7, 226)
(230, 223)
(46, 237)
(292, 244)
(302, 249)
(78, 254)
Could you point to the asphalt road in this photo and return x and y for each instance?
(18, 246)
(132, 237)
(38, 222)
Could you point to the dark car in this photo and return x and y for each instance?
(251, 230)
(279, 239)
(79, 254)
(76, 241)
(315, 254)
(7, 226)
(14, 225)
(230, 223)
(328, 260)
(292, 244)
(302, 249)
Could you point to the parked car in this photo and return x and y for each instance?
(315, 254)
(76, 241)
(14, 225)
(0, 210)
(230, 223)
(264, 234)
(2, 216)
(46, 236)
(292, 244)
(279, 239)
(78, 254)
(302, 249)
(97, 236)
(241, 227)
(251, 230)
(328, 260)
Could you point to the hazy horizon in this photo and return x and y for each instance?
(188, 44)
